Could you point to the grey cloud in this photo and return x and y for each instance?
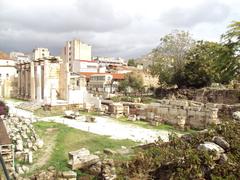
(84, 15)
(207, 12)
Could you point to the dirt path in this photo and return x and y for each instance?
(44, 155)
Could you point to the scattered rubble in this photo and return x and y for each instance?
(81, 159)
(25, 140)
(30, 106)
(236, 115)
(221, 142)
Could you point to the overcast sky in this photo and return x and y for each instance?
(121, 28)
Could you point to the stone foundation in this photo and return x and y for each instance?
(221, 96)
(181, 113)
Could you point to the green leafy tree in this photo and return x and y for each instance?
(169, 56)
(232, 37)
(132, 82)
(208, 62)
(232, 40)
(131, 62)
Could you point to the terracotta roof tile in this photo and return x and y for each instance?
(115, 75)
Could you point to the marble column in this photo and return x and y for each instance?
(26, 82)
(39, 82)
(46, 90)
(22, 81)
(32, 81)
(19, 80)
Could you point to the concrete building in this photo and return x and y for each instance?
(19, 56)
(40, 53)
(8, 73)
(79, 57)
(106, 61)
(103, 82)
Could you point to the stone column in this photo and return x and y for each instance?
(39, 82)
(46, 84)
(32, 81)
(22, 81)
(19, 79)
(26, 81)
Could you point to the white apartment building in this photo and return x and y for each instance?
(19, 56)
(8, 72)
(106, 61)
(104, 82)
(40, 53)
(79, 57)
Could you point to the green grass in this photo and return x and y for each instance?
(42, 113)
(15, 100)
(70, 139)
(89, 113)
(146, 125)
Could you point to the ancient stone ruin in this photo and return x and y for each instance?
(182, 113)
(82, 159)
(25, 141)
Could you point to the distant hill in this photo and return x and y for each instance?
(3, 55)
(146, 60)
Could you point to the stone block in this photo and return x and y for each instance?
(69, 174)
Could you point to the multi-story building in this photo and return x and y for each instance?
(103, 82)
(79, 57)
(106, 61)
(40, 53)
(19, 56)
(8, 72)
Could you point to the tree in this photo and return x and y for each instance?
(131, 62)
(207, 62)
(169, 56)
(232, 37)
(132, 81)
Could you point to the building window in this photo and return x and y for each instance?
(78, 83)
(42, 54)
(7, 75)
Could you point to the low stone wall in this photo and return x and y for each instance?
(221, 96)
(181, 113)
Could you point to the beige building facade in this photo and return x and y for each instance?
(40, 53)
(76, 53)
(8, 73)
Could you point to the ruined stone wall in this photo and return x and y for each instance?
(182, 113)
(221, 96)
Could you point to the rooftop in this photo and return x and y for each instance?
(115, 75)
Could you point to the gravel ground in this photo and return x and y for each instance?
(103, 126)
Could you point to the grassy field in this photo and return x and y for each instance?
(67, 139)
(14, 100)
(146, 125)
(42, 113)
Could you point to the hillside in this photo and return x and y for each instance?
(3, 55)
(146, 60)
